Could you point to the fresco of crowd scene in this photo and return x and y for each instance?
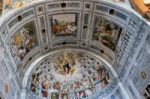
(64, 24)
(105, 32)
(23, 40)
(93, 75)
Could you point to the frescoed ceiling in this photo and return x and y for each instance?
(141, 6)
(14, 4)
(110, 31)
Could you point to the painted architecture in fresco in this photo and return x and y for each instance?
(64, 24)
(69, 74)
(23, 40)
(105, 32)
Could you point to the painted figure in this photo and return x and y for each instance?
(45, 89)
(66, 67)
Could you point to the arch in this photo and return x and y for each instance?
(33, 64)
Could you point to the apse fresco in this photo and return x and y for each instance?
(64, 24)
(23, 40)
(69, 74)
(106, 33)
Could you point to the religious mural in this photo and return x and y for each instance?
(63, 24)
(105, 32)
(23, 40)
(69, 74)
(65, 64)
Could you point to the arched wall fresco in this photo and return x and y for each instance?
(107, 84)
(70, 74)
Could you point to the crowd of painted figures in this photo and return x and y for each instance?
(78, 75)
(23, 40)
(106, 33)
(64, 24)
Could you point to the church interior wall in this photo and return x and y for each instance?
(34, 30)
